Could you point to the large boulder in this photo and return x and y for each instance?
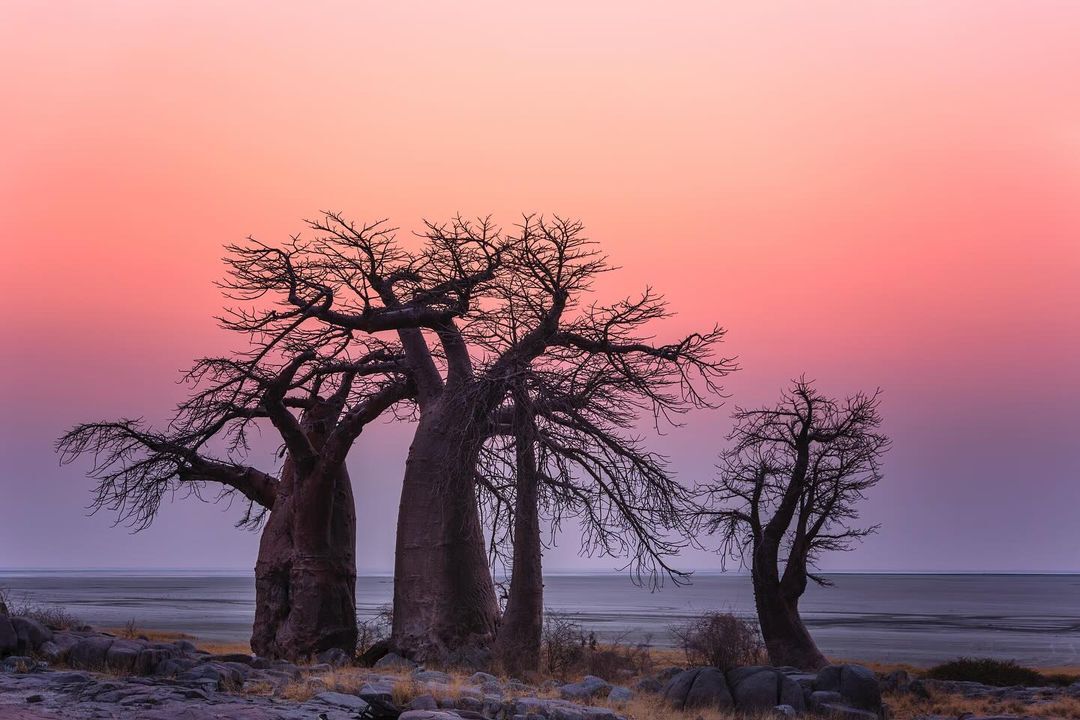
(334, 657)
(122, 654)
(590, 686)
(393, 661)
(9, 641)
(757, 689)
(89, 653)
(31, 633)
(699, 687)
(858, 685)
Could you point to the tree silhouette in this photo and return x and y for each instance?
(318, 388)
(473, 309)
(787, 491)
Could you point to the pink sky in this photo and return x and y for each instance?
(875, 194)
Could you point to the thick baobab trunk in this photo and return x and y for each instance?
(305, 576)
(786, 638)
(521, 628)
(444, 599)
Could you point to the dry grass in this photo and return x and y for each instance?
(903, 706)
(167, 636)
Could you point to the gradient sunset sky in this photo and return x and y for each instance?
(875, 194)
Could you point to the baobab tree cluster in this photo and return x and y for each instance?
(523, 392)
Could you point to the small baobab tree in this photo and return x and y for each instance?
(787, 491)
(572, 453)
(318, 389)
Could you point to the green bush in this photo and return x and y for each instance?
(1001, 673)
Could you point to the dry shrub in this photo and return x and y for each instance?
(568, 651)
(51, 616)
(722, 640)
(988, 671)
(375, 629)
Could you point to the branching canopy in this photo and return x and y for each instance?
(792, 480)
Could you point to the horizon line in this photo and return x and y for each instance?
(565, 572)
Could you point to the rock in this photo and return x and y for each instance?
(342, 700)
(122, 654)
(89, 653)
(784, 711)
(428, 715)
(186, 647)
(699, 687)
(376, 692)
(222, 676)
(648, 685)
(374, 653)
(589, 687)
(393, 661)
(857, 684)
(30, 632)
(8, 639)
(335, 657)
(480, 678)
(244, 658)
(435, 676)
(824, 697)
(755, 691)
(151, 658)
(50, 651)
(424, 702)
(843, 712)
(619, 695)
(762, 688)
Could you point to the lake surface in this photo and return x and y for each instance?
(921, 619)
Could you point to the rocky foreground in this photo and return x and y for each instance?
(84, 675)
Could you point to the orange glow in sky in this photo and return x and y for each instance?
(873, 193)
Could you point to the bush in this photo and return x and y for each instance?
(51, 616)
(370, 631)
(1001, 673)
(721, 640)
(568, 650)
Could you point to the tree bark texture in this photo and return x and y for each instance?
(521, 627)
(444, 599)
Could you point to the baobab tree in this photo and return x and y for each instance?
(788, 490)
(319, 403)
(472, 309)
(570, 451)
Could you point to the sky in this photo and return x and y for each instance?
(874, 194)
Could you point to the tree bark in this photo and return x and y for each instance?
(445, 609)
(521, 628)
(787, 640)
(305, 575)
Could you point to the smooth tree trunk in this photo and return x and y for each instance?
(521, 627)
(305, 575)
(787, 640)
(445, 609)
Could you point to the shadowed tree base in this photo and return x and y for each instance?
(444, 599)
(786, 638)
(305, 587)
